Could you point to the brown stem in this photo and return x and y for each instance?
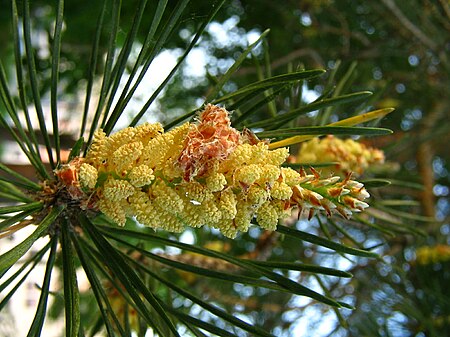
(424, 158)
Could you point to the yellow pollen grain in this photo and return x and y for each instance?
(125, 156)
(267, 216)
(147, 131)
(216, 181)
(88, 175)
(257, 195)
(269, 174)
(281, 191)
(115, 190)
(227, 202)
(141, 175)
(290, 176)
(114, 210)
(247, 174)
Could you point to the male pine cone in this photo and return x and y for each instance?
(201, 173)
